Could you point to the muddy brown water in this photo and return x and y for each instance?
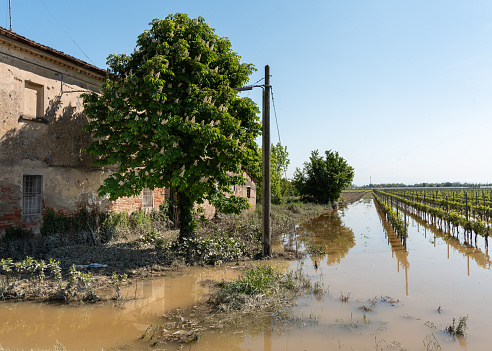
(361, 258)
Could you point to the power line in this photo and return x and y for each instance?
(285, 169)
(259, 80)
(47, 9)
(275, 113)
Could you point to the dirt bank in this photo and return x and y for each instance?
(350, 197)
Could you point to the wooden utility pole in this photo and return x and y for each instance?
(267, 250)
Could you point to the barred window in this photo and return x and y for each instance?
(32, 194)
(147, 198)
(248, 192)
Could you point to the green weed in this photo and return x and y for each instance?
(116, 281)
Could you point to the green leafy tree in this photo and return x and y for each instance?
(279, 162)
(168, 116)
(323, 179)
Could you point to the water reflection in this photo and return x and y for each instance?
(328, 237)
(398, 249)
(482, 258)
(36, 325)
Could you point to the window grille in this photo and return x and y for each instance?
(32, 194)
(147, 198)
(248, 192)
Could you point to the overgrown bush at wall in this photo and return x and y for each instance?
(89, 226)
(14, 233)
(18, 240)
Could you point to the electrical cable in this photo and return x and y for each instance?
(47, 9)
(285, 170)
(275, 113)
(259, 80)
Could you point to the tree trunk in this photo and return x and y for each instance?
(186, 219)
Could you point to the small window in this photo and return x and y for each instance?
(32, 195)
(248, 192)
(233, 188)
(33, 100)
(147, 198)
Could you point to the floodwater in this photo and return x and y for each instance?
(104, 326)
(398, 300)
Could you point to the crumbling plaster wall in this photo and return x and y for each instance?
(59, 140)
(242, 190)
(51, 146)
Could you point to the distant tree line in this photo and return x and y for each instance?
(425, 185)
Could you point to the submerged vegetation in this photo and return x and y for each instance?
(261, 292)
(256, 285)
(457, 330)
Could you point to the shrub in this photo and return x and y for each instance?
(212, 250)
(154, 238)
(139, 217)
(15, 233)
(55, 223)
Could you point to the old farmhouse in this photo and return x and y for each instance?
(42, 164)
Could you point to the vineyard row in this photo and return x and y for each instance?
(444, 216)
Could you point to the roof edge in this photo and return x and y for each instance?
(48, 50)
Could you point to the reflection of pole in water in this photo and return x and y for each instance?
(448, 251)
(468, 262)
(267, 339)
(406, 279)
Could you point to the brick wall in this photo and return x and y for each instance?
(134, 203)
(10, 211)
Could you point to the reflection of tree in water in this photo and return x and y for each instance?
(327, 237)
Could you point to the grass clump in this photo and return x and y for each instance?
(261, 293)
(344, 297)
(260, 287)
(258, 280)
(457, 330)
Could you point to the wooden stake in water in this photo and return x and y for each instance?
(405, 228)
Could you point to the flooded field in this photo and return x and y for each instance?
(395, 299)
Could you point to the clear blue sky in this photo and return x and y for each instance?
(401, 89)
